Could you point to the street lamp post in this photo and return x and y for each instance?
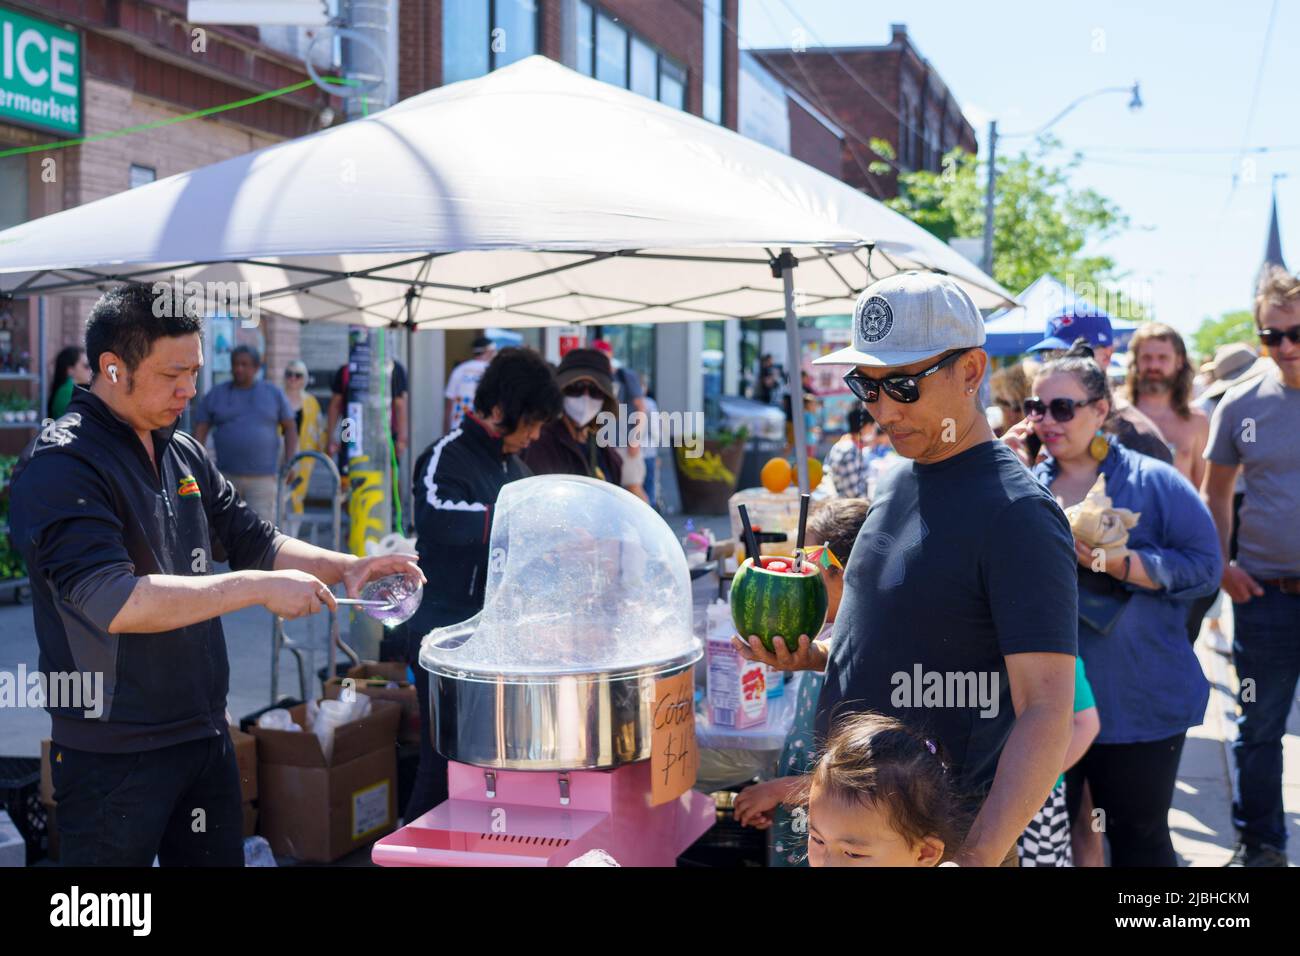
(990, 197)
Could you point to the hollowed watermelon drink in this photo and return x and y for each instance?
(774, 599)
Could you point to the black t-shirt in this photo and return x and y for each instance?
(958, 564)
(397, 384)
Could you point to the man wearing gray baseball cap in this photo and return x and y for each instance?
(959, 614)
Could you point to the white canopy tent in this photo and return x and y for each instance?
(532, 196)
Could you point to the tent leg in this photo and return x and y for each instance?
(794, 370)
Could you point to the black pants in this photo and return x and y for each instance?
(430, 787)
(1133, 786)
(180, 803)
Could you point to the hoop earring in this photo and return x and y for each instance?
(1099, 447)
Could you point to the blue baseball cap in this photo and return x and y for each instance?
(1064, 329)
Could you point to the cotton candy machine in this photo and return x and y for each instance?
(565, 704)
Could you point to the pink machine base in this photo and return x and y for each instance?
(518, 818)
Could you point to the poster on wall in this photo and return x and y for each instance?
(226, 334)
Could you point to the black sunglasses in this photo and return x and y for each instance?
(901, 388)
(583, 388)
(1062, 409)
(293, 375)
(1273, 337)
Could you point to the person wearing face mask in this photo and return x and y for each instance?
(571, 445)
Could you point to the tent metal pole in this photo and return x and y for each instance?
(794, 371)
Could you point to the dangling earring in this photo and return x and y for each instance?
(1099, 447)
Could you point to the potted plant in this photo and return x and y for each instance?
(708, 480)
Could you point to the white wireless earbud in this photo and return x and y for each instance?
(112, 373)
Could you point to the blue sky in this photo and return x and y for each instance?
(1195, 243)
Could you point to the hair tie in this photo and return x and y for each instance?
(934, 750)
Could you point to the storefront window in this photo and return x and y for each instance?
(672, 84)
(483, 35)
(611, 52)
(586, 43)
(514, 31)
(713, 50)
(613, 55)
(141, 175)
(645, 67)
(465, 28)
(634, 347)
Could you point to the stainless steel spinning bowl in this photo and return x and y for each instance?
(578, 721)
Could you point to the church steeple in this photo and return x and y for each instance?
(1273, 250)
(1273, 247)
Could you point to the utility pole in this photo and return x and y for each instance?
(367, 420)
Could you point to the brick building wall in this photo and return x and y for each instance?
(140, 67)
(888, 92)
(813, 143)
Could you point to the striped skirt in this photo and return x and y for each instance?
(1046, 841)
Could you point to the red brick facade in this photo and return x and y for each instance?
(887, 92)
(140, 68)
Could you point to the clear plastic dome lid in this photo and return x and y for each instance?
(583, 577)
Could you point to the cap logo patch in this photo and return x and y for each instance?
(875, 319)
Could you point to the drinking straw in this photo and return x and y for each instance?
(751, 543)
(803, 525)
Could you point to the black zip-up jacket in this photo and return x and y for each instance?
(457, 481)
(90, 514)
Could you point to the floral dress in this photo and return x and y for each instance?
(788, 838)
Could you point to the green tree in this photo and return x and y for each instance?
(1230, 327)
(1041, 224)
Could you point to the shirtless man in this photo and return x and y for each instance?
(1160, 385)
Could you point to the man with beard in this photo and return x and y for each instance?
(1160, 385)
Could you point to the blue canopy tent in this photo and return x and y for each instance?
(1013, 331)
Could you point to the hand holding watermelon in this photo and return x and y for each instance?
(809, 655)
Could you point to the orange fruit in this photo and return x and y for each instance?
(776, 475)
(814, 473)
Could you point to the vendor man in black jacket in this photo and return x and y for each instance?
(455, 488)
(116, 512)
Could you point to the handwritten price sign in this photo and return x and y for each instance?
(674, 760)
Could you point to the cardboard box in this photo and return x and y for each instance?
(316, 810)
(250, 820)
(246, 758)
(371, 678)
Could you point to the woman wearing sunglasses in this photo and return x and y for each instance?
(569, 445)
(1146, 679)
